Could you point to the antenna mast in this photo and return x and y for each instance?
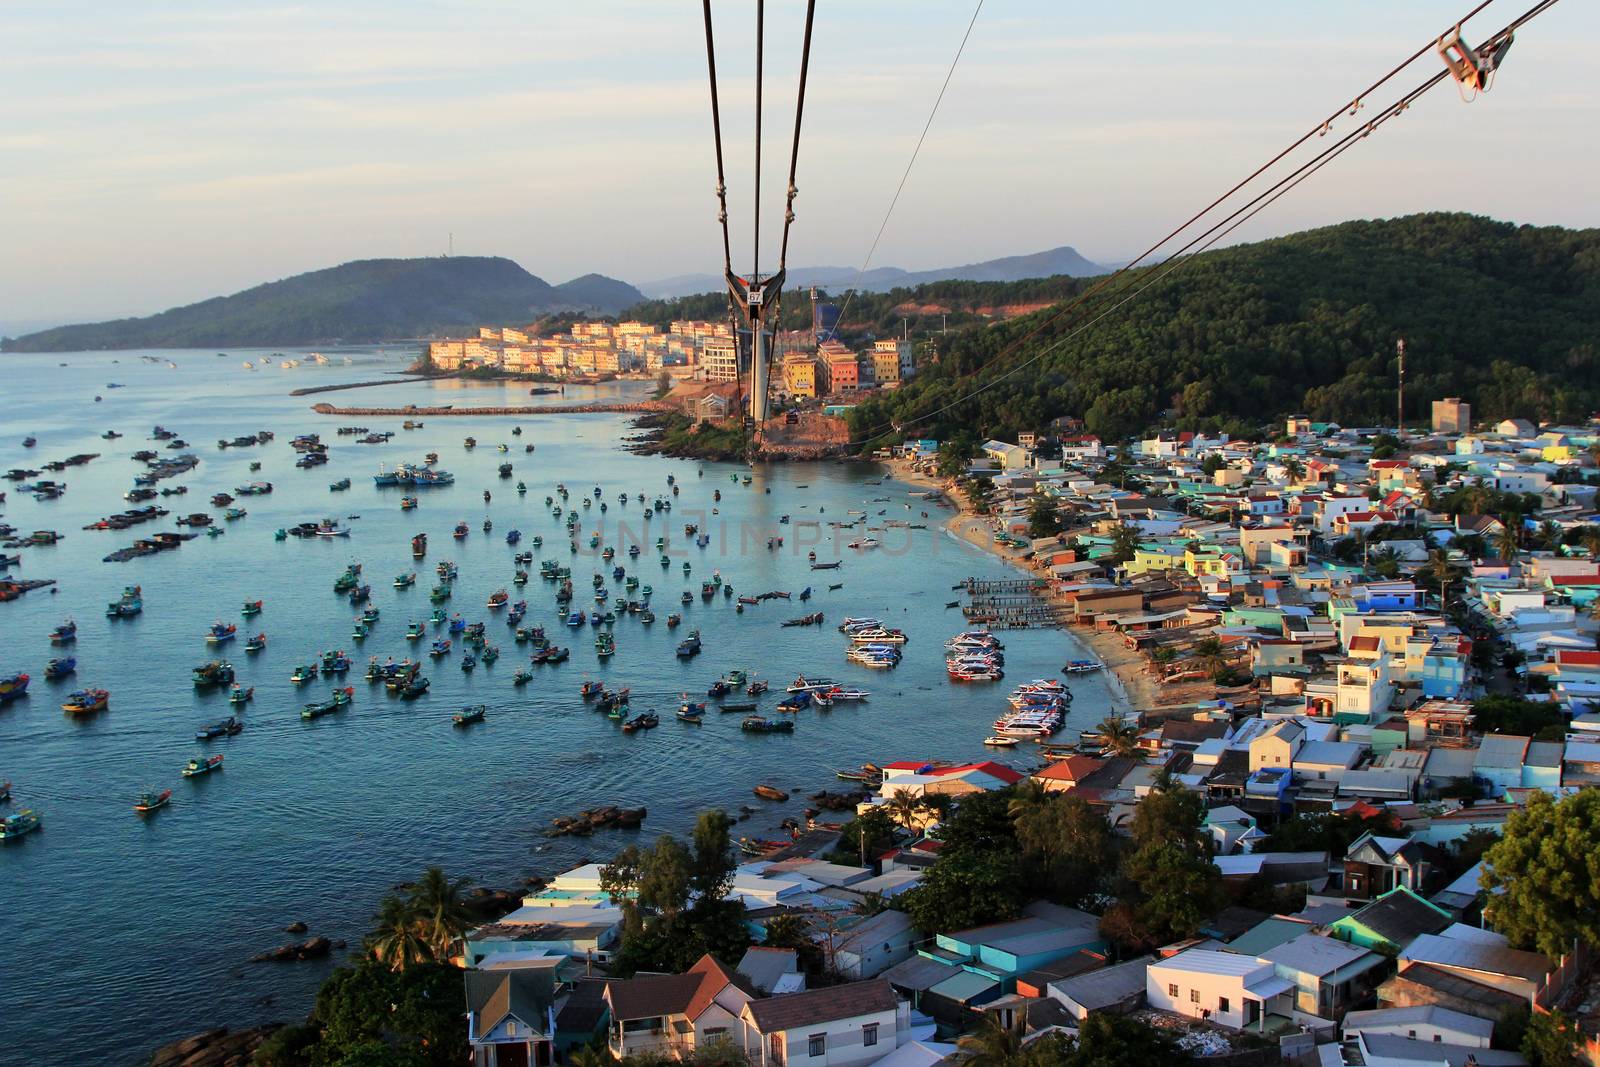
(1400, 398)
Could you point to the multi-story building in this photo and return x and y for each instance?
(1452, 415)
(891, 361)
(800, 375)
(720, 358)
(837, 369)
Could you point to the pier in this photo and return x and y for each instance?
(1013, 603)
(412, 411)
(310, 389)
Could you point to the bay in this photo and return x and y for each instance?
(144, 926)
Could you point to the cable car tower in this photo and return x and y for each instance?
(755, 297)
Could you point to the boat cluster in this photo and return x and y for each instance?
(974, 656)
(1038, 711)
(872, 644)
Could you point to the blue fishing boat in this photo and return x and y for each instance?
(468, 662)
(23, 822)
(513, 536)
(226, 728)
(467, 716)
(689, 646)
(221, 633)
(65, 633)
(197, 766)
(57, 669)
(441, 647)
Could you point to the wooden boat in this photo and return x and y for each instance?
(405, 581)
(58, 669)
(23, 822)
(469, 715)
(745, 706)
(197, 766)
(805, 620)
(251, 607)
(523, 676)
(304, 673)
(150, 801)
(226, 728)
(221, 633)
(239, 695)
(689, 646)
(65, 633)
(695, 717)
(999, 741)
(338, 699)
(256, 643)
(769, 792)
(757, 724)
(86, 701)
(643, 721)
(415, 688)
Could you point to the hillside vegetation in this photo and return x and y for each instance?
(1506, 316)
(366, 300)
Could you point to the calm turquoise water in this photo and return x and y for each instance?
(144, 926)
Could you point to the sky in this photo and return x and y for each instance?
(157, 153)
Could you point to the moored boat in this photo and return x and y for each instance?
(58, 669)
(197, 766)
(23, 822)
(13, 687)
(226, 728)
(467, 716)
(150, 801)
(85, 701)
(65, 633)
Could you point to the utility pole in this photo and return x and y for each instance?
(1400, 399)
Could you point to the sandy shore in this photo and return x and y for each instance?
(1132, 687)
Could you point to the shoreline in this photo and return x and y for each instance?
(1132, 687)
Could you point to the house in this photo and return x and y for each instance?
(1484, 963)
(1328, 975)
(771, 971)
(1001, 951)
(1390, 1050)
(1118, 989)
(838, 1026)
(1515, 428)
(1224, 988)
(676, 1013)
(1392, 921)
(1062, 775)
(1373, 865)
(1424, 1022)
(1452, 415)
(873, 945)
(510, 1016)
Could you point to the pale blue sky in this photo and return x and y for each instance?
(153, 153)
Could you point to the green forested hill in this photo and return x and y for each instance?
(1505, 316)
(366, 300)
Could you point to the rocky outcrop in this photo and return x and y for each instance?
(214, 1048)
(587, 822)
(314, 948)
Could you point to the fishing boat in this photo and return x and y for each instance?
(415, 688)
(757, 687)
(151, 801)
(440, 647)
(770, 792)
(130, 604)
(498, 599)
(689, 646)
(468, 662)
(730, 706)
(240, 695)
(251, 608)
(339, 486)
(221, 633)
(214, 673)
(419, 545)
(842, 693)
(65, 633)
(869, 773)
(696, 717)
(557, 655)
(360, 594)
(256, 643)
(795, 702)
(590, 690)
(805, 620)
(469, 715)
(226, 728)
(803, 684)
(643, 721)
(23, 822)
(197, 766)
(757, 724)
(336, 700)
(523, 676)
(58, 669)
(13, 687)
(461, 531)
(304, 673)
(605, 645)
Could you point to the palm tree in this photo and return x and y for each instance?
(1125, 541)
(591, 1055)
(1208, 650)
(1550, 534)
(1385, 563)
(396, 939)
(1442, 570)
(1472, 546)
(991, 1044)
(1118, 736)
(1591, 540)
(1294, 469)
(441, 915)
(1028, 796)
(904, 807)
(1506, 541)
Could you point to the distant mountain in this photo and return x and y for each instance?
(1056, 261)
(596, 292)
(366, 300)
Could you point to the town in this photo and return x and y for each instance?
(1360, 662)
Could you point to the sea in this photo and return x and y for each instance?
(139, 930)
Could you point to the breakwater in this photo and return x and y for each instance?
(413, 411)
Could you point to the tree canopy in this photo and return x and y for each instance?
(1546, 870)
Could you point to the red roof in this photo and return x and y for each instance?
(989, 767)
(1387, 464)
(1575, 579)
(1071, 769)
(1571, 657)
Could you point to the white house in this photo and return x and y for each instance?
(873, 945)
(1225, 988)
(838, 1026)
(675, 1013)
(1422, 1022)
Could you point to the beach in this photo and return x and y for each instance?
(1132, 686)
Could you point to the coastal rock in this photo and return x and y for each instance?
(490, 904)
(296, 927)
(220, 1047)
(311, 949)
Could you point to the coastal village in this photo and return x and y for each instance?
(1350, 655)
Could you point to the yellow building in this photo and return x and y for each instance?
(1155, 558)
(800, 375)
(1215, 562)
(720, 357)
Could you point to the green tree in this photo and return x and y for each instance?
(1442, 570)
(1506, 539)
(905, 808)
(1068, 844)
(960, 893)
(397, 939)
(1043, 519)
(1500, 713)
(1119, 737)
(992, 1044)
(416, 1013)
(1125, 541)
(954, 455)
(1546, 872)
(1107, 1040)
(441, 914)
(1552, 1039)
